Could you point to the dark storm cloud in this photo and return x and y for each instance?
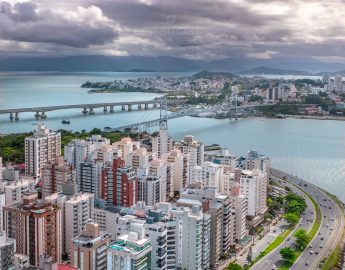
(24, 22)
(136, 13)
(200, 29)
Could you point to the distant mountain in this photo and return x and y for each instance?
(262, 70)
(209, 74)
(99, 63)
(93, 63)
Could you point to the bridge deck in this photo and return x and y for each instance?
(76, 106)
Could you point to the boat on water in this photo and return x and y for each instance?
(66, 121)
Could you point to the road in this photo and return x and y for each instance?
(331, 228)
(274, 258)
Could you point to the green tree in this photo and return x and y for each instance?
(234, 266)
(292, 218)
(302, 238)
(312, 99)
(95, 131)
(287, 254)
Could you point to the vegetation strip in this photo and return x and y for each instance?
(311, 234)
(276, 243)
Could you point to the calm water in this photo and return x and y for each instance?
(311, 149)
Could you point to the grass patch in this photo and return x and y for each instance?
(333, 260)
(276, 243)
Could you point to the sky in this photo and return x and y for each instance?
(276, 30)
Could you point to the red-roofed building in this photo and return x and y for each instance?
(66, 267)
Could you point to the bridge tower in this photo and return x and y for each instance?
(233, 105)
(163, 118)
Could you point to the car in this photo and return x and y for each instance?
(288, 239)
(274, 230)
(330, 207)
(316, 252)
(321, 246)
(246, 263)
(324, 200)
(284, 177)
(331, 228)
(324, 216)
(306, 263)
(311, 252)
(332, 219)
(311, 246)
(305, 185)
(327, 225)
(274, 267)
(321, 238)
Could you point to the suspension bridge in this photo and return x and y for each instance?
(228, 105)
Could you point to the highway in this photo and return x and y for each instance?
(274, 259)
(331, 228)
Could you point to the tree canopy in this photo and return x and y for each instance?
(234, 266)
(302, 238)
(287, 253)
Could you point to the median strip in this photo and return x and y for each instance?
(312, 232)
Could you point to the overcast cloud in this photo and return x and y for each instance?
(197, 29)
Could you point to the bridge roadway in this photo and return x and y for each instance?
(185, 112)
(87, 108)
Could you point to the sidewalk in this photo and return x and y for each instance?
(259, 245)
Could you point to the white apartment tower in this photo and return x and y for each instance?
(127, 148)
(180, 168)
(191, 227)
(78, 212)
(253, 184)
(149, 190)
(162, 143)
(131, 250)
(40, 148)
(194, 149)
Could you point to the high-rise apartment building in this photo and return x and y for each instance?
(240, 211)
(89, 249)
(7, 250)
(14, 190)
(55, 174)
(192, 232)
(127, 147)
(149, 190)
(193, 149)
(91, 177)
(219, 208)
(253, 184)
(35, 226)
(119, 184)
(130, 250)
(78, 151)
(162, 143)
(209, 175)
(180, 168)
(40, 148)
(255, 161)
(164, 170)
(78, 212)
